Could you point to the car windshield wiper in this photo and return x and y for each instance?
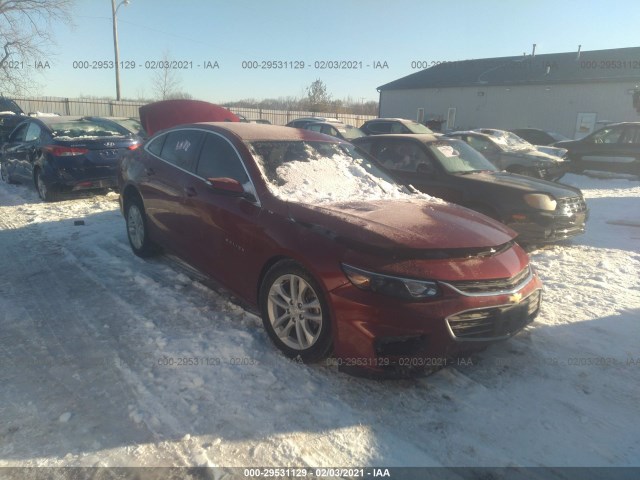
(466, 172)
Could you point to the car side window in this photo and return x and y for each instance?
(218, 159)
(314, 128)
(380, 127)
(607, 135)
(480, 144)
(397, 128)
(329, 130)
(181, 148)
(402, 156)
(155, 145)
(631, 135)
(19, 133)
(33, 132)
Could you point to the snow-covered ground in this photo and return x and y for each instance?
(110, 360)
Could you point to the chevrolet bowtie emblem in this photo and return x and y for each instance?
(515, 298)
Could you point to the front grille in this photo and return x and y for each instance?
(480, 287)
(496, 322)
(571, 206)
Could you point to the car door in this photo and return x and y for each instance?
(167, 170)
(13, 152)
(30, 150)
(227, 240)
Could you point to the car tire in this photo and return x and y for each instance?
(295, 313)
(44, 191)
(137, 231)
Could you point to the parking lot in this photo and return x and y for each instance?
(111, 360)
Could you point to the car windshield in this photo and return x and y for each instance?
(416, 127)
(350, 132)
(321, 172)
(458, 157)
(511, 141)
(83, 128)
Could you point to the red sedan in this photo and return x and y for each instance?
(335, 256)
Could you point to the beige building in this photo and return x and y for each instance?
(570, 93)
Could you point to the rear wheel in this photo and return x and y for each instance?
(295, 313)
(137, 231)
(44, 191)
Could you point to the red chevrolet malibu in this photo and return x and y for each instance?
(336, 257)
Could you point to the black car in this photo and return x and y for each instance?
(64, 155)
(343, 132)
(614, 148)
(539, 210)
(379, 126)
(521, 159)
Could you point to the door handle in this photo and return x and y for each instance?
(190, 191)
(149, 171)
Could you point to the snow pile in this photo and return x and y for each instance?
(320, 179)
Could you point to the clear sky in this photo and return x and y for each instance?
(363, 34)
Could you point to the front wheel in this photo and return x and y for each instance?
(295, 313)
(137, 231)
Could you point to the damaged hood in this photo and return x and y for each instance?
(402, 225)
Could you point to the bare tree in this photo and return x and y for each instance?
(165, 80)
(26, 38)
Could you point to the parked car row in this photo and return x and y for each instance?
(325, 237)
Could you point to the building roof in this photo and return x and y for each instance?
(613, 65)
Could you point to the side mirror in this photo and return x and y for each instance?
(227, 185)
(230, 186)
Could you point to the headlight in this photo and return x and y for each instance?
(541, 201)
(406, 288)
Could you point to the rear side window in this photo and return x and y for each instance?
(155, 145)
(181, 148)
(403, 156)
(379, 127)
(33, 132)
(218, 159)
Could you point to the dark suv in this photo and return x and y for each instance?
(540, 211)
(614, 148)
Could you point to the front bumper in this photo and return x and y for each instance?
(378, 335)
(568, 220)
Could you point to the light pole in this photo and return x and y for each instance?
(114, 11)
